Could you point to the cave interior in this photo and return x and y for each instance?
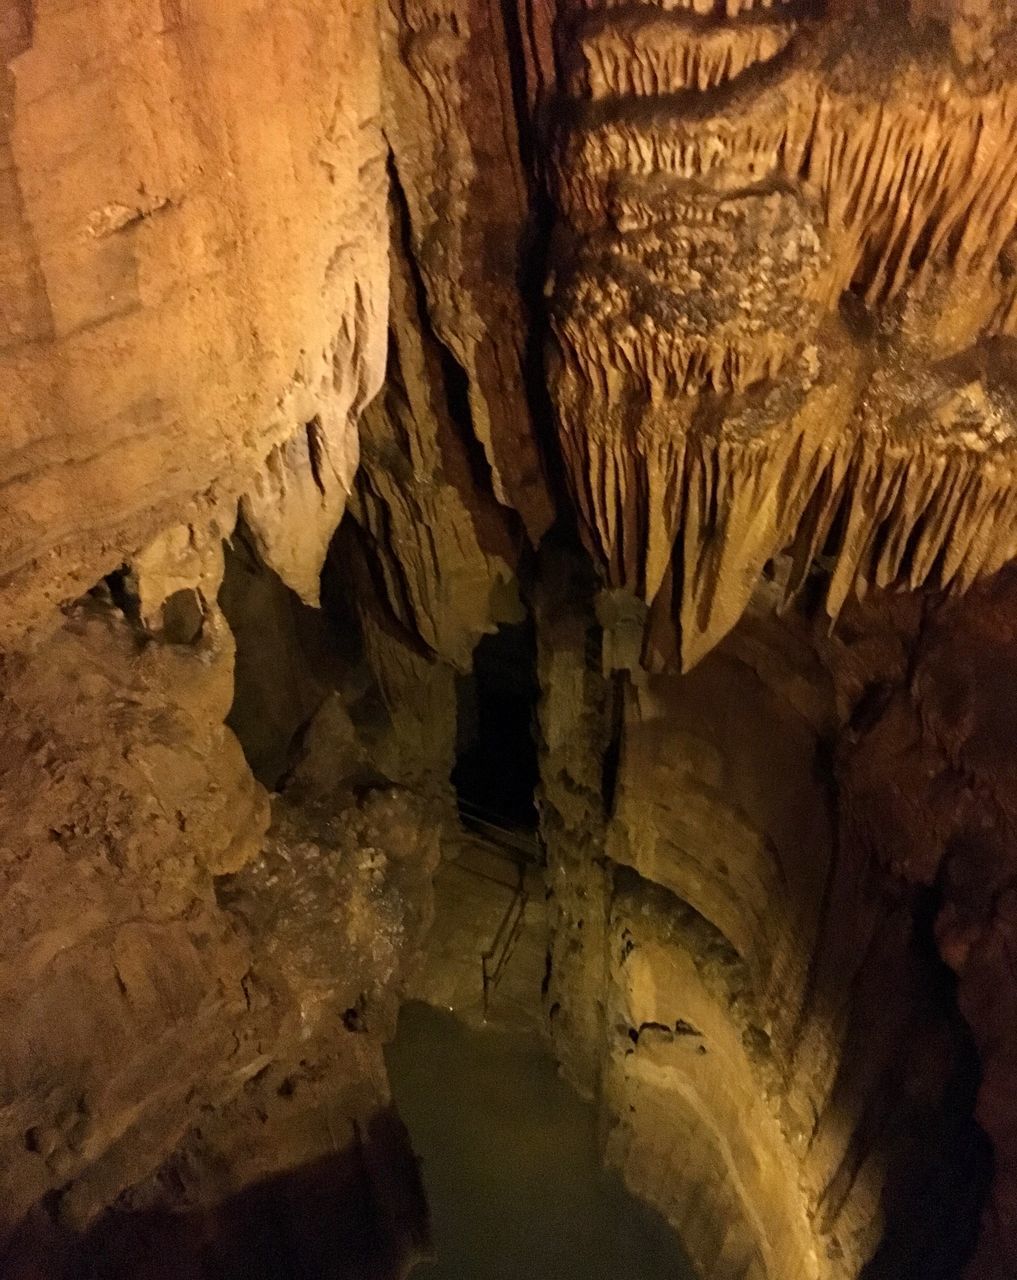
(508, 640)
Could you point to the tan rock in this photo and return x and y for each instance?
(193, 268)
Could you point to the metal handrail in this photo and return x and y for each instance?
(515, 838)
(504, 941)
(528, 850)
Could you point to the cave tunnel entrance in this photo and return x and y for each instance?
(497, 770)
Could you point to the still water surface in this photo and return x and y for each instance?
(509, 1161)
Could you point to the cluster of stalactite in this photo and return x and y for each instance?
(724, 182)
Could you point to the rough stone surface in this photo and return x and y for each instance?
(193, 268)
(166, 951)
(123, 795)
(931, 789)
(781, 299)
(453, 121)
(748, 465)
(445, 550)
(782, 1067)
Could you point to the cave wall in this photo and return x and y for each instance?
(782, 1068)
(124, 794)
(194, 269)
(194, 288)
(776, 291)
(180, 1026)
(928, 783)
(724, 293)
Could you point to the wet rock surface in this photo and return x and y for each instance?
(679, 336)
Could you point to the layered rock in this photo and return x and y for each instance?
(172, 957)
(782, 307)
(781, 1067)
(193, 269)
(123, 796)
(455, 126)
(928, 784)
(444, 551)
(195, 300)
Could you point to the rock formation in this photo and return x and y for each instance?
(334, 337)
(765, 982)
(782, 302)
(194, 269)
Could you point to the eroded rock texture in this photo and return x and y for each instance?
(454, 124)
(193, 303)
(781, 1063)
(194, 268)
(683, 331)
(929, 781)
(174, 996)
(782, 303)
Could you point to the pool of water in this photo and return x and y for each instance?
(509, 1160)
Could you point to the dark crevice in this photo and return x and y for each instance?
(288, 658)
(387, 571)
(940, 1174)
(455, 381)
(612, 753)
(516, 60)
(358, 1212)
(120, 589)
(314, 452)
(497, 771)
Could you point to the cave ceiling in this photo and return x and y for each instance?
(335, 337)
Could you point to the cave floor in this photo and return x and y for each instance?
(508, 1150)
(509, 1160)
(476, 889)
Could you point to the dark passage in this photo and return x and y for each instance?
(509, 1161)
(496, 769)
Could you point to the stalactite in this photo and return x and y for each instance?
(711, 226)
(643, 53)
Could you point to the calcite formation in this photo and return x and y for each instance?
(334, 337)
(773, 223)
(445, 552)
(457, 140)
(751, 970)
